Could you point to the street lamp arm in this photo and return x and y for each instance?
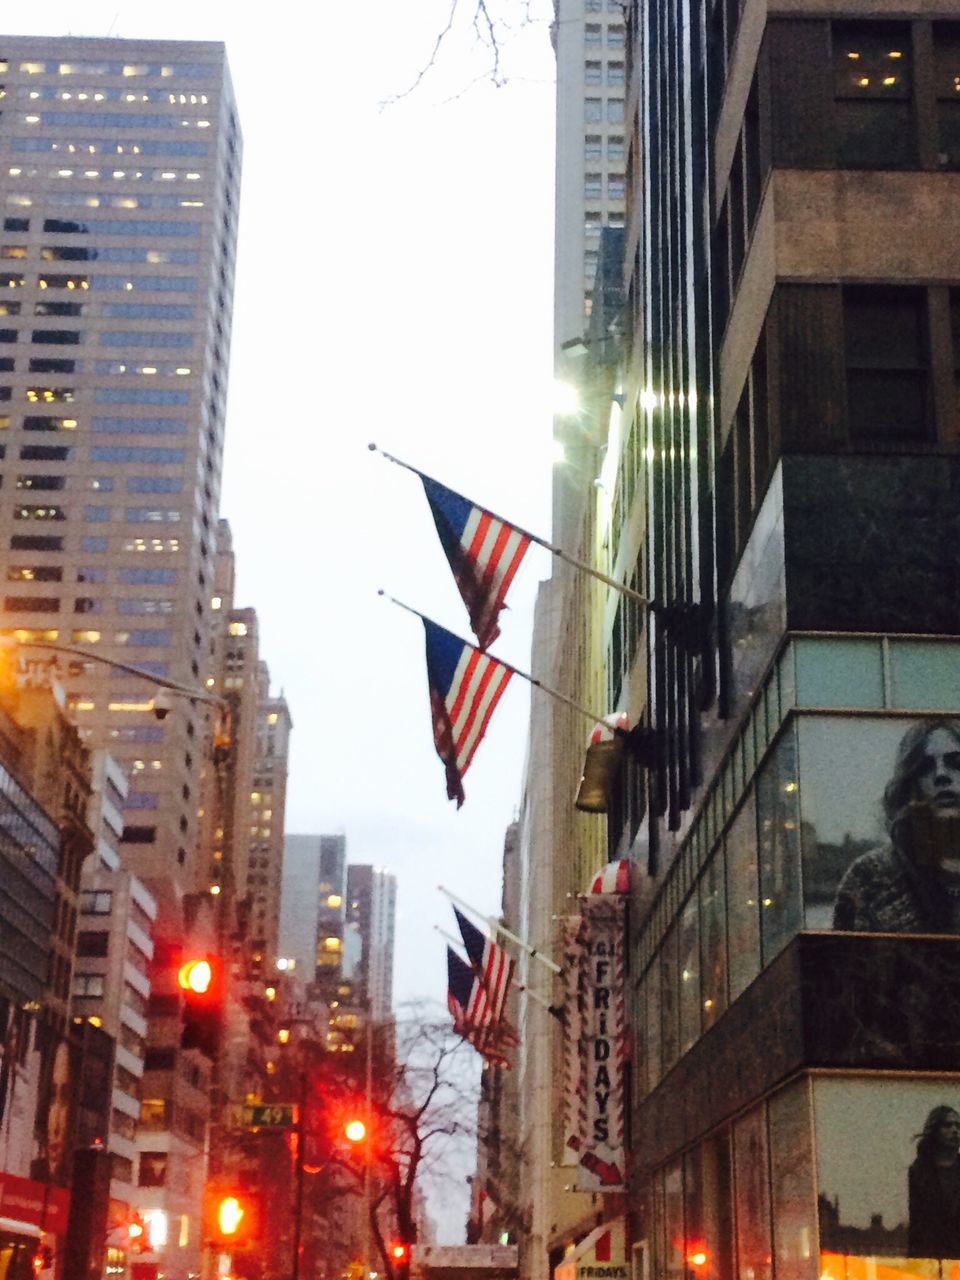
(198, 695)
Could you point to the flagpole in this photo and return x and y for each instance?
(532, 952)
(541, 542)
(520, 986)
(524, 675)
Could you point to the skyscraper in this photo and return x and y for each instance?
(119, 179)
(371, 911)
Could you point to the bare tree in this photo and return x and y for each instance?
(491, 26)
(422, 1122)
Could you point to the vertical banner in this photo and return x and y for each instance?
(594, 1007)
(572, 1071)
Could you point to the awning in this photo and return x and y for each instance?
(18, 1228)
(602, 1255)
(613, 878)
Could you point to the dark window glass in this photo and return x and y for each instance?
(16, 224)
(946, 52)
(885, 346)
(44, 453)
(139, 835)
(42, 365)
(92, 943)
(58, 308)
(32, 604)
(6, 364)
(68, 337)
(872, 82)
(35, 542)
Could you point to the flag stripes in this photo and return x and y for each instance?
(484, 553)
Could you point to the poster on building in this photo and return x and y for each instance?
(596, 1042)
(572, 976)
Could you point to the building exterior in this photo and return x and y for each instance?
(119, 177)
(780, 464)
(313, 903)
(371, 912)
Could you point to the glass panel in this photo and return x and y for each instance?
(839, 673)
(716, 1209)
(888, 1170)
(673, 1222)
(880, 808)
(713, 938)
(872, 90)
(654, 1038)
(669, 1000)
(689, 941)
(946, 48)
(778, 811)
(924, 676)
(743, 917)
(788, 679)
(754, 1243)
(793, 1188)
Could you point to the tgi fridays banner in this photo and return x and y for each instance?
(594, 1042)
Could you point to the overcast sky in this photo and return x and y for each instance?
(394, 284)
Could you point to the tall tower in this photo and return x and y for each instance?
(371, 910)
(119, 180)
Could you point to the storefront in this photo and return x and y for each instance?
(33, 1217)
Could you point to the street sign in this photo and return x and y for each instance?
(262, 1115)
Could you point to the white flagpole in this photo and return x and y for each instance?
(541, 542)
(524, 675)
(537, 999)
(493, 923)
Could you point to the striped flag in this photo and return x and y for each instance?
(465, 687)
(470, 1010)
(491, 964)
(484, 553)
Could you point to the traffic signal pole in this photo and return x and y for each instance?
(366, 1152)
(298, 1193)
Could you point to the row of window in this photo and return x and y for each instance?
(593, 146)
(102, 146)
(77, 281)
(613, 73)
(134, 515)
(84, 67)
(109, 93)
(108, 338)
(594, 35)
(593, 187)
(93, 173)
(594, 110)
(111, 310)
(103, 199)
(114, 120)
(96, 573)
(82, 253)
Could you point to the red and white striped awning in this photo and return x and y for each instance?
(613, 878)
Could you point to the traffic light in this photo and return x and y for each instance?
(231, 1216)
(138, 1241)
(398, 1254)
(199, 980)
(355, 1131)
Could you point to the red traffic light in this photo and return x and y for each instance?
(230, 1216)
(355, 1130)
(400, 1251)
(196, 976)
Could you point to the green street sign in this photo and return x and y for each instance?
(262, 1115)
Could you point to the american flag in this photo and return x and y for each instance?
(470, 1010)
(465, 687)
(484, 553)
(491, 964)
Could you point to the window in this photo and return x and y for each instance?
(593, 186)
(154, 484)
(44, 453)
(92, 943)
(35, 542)
(593, 73)
(615, 74)
(31, 604)
(887, 364)
(90, 543)
(42, 482)
(88, 985)
(138, 576)
(34, 573)
(616, 188)
(96, 513)
(153, 1169)
(615, 149)
(31, 512)
(615, 36)
(45, 422)
(615, 110)
(592, 34)
(139, 835)
(593, 109)
(87, 604)
(58, 308)
(873, 85)
(593, 146)
(946, 52)
(43, 365)
(95, 902)
(65, 337)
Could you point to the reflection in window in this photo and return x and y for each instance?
(946, 50)
(793, 1194)
(713, 935)
(887, 363)
(743, 916)
(778, 803)
(689, 967)
(754, 1243)
(654, 1037)
(872, 77)
(669, 1000)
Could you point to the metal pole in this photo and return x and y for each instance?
(298, 1195)
(366, 1150)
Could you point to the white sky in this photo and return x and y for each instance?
(394, 284)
